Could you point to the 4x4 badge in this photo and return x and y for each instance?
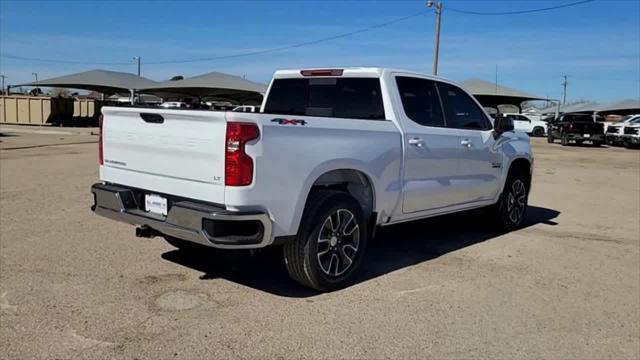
(289, 122)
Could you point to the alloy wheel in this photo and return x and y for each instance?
(338, 242)
(516, 201)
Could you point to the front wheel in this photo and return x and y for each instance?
(330, 245)
(512, 205)
(538, 131)
(550, 138)
(564, 140)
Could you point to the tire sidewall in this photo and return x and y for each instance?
(506, 222)
(312, 230)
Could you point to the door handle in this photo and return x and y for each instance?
(466, 143)
(417, 142)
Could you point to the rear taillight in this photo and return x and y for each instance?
(238, 166)
(100, 156)
(570, 126)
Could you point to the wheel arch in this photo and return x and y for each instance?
(353, 180)
(523, 165)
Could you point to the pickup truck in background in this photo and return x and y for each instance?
(631, 134)
(333, 154)
(614, 134)
(577, 128)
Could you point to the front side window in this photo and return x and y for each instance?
(351, 98)
(460, 110)
(420, 101)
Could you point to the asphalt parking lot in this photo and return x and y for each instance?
(567, 286)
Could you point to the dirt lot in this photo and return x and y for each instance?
(566, 286)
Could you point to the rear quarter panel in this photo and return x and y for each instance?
(289, 158)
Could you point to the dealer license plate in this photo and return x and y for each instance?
(155, 204)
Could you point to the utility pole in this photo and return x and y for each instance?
(137, 58)
(2, 88)
(36, 75)
(436, 48)
(564, 91)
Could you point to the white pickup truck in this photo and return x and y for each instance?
(332, 155)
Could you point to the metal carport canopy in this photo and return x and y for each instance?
(491, 95)
(624, 107)
(213, 84)
(102, 81)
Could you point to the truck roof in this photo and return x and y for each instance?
(354, 72)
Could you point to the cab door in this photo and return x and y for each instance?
(431, 149)
(479, 161)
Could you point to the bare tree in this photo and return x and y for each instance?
(95, 95)
(60, 92)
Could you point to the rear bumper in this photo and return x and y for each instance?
(187, 220)
(590, 137)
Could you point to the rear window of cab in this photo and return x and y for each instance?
(338, 97)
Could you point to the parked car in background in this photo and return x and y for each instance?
(334, 154)
(528, 125)
(247, 108)
(576, 128)
(631, 134)
(614, 132)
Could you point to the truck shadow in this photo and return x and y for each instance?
(395, 247)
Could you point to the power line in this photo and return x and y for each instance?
(293, 46)
(250, 53)
(516, 12)
(16, 57)
(288, 47)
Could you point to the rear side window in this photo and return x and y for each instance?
(460, 110)
(352, 98)
(420, 101)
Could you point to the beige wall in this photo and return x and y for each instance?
(40, 110)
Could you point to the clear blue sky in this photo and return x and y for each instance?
(597, 44)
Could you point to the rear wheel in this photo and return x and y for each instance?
(550, 138)
(538, 131)
(330, 244)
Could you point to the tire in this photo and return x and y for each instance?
(511, 208)
(596, 143)
(317, 257)
(627, 144)
(550, 138)
(538, 131)
(563, 140)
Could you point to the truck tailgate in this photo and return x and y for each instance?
(176, 152)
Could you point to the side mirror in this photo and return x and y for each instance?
(503, 124)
